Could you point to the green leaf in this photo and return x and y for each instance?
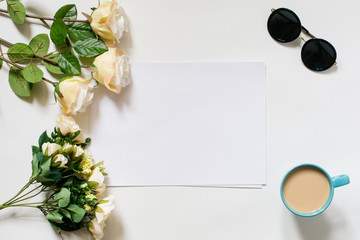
(81, 31)
(16, 11)
(35, 149)
(67, 12)
(90, 47)
(77, 213)
(32, 73)
(69, 64)
(1, 63)
(18, 84)
(54, 216)
(55, 69)
(35, 165)
(45, 166)
(65, 213)
(40, 44)
(58, 32)
(19, 51)
(44, 138)
(63, 197)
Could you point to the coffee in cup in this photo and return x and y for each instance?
(307, 190)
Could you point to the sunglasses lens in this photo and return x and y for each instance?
(283, 25)
(318, 54)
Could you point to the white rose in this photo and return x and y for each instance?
(49, 149)
(103, 211)
(66, 124)
(78, 152)
(66, 149)
(60, 159)
(112, 69)
(98, 177)
(109, 21)
(76, 94)
(97, 231)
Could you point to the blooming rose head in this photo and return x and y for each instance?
(112, 69)
(59, 161)
(98, 177)
(103, 211)
(76, 94)
(108, 21)
(49, 149)
(66, 125)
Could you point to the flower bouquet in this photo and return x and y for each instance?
(72, 185)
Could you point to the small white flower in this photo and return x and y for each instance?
(60, 159)
(66, 149)
(49, 149)
(67, 124)
(98, 177)
(103, 211)
(78, 152)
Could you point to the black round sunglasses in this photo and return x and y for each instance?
(285, 26)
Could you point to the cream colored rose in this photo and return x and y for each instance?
(66, 149)
(60, 161)
(109, 21)
(49, 149)
(98, 177)
(66, 125)
(76, 92)
(112, 69)
(103, 211)
(86, 166)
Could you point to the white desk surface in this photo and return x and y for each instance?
(311, 117)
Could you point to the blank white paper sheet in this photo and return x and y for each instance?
(190, 124)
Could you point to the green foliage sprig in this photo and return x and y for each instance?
(69, 36)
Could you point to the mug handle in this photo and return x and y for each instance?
(340, 180)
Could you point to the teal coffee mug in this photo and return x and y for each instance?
(307, 190)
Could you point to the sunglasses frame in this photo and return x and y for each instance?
(306, 32)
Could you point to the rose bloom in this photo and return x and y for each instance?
(108, 21)
(98, 177)
(112, 69)
(60, 161)
(49, 149)
(66, 125)
(76, 92)
(103, 211)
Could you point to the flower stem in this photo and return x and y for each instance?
(21, 198)
(47, 18)
(9, 44)
(21, 67)
(31, 181)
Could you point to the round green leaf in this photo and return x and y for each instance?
(63, 197)
(77, 213)
(54, 216)
(81, 31)
(55, 69)
(16, 11)
(90, 47)
(69, 64)
(19, 51)
(18, 84)
(58, 32)
(40, 44)
(32, 73)
(67, 12)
